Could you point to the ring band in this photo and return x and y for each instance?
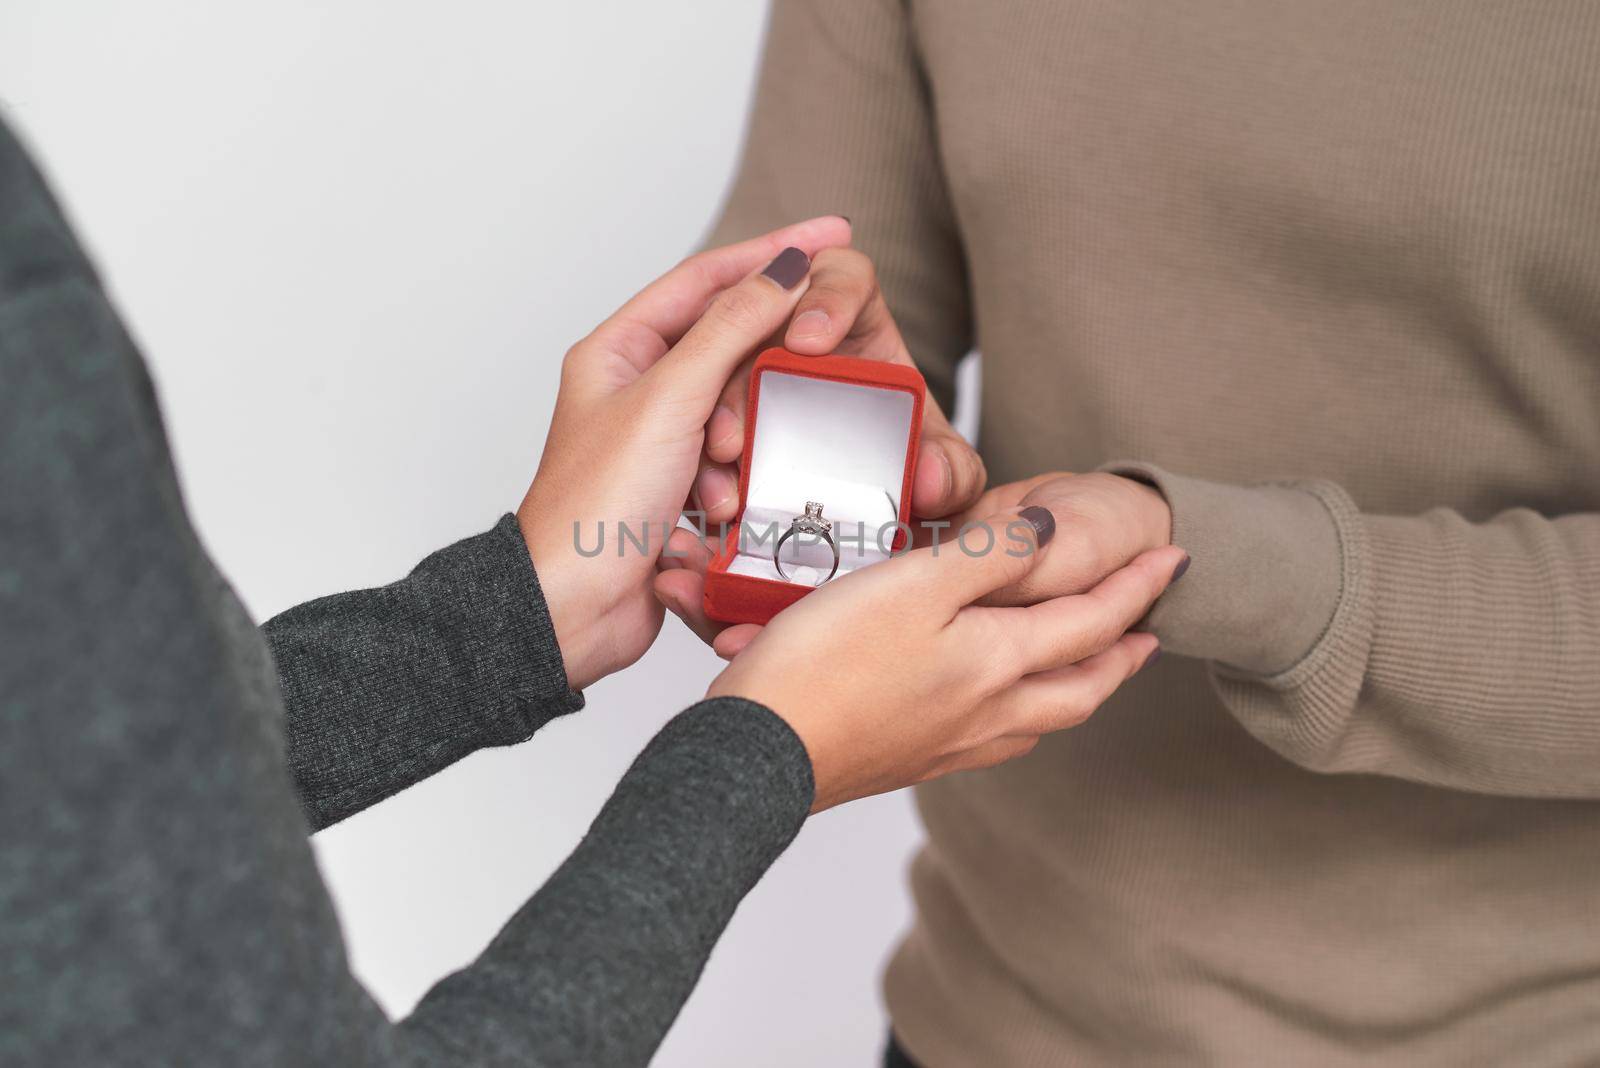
(810, 523)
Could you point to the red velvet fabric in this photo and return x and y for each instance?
(733, 598)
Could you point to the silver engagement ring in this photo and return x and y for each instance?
(813, 524)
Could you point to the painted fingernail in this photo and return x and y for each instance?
(788, 267)
(1043, 523)
(810, 324)
(1155, 654)
(1177, 572)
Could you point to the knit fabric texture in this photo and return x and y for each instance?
(1326, 274)
(159, 902)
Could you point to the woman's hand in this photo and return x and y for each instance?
(628, 430)
(894, 675)
(843, 311)
(1104, 521)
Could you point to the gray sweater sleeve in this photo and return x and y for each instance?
(159, 901)
(613, 943)
(383, 687)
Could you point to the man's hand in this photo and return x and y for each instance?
(1103, 521)
(843, 312)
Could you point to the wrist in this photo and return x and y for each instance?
(577, 612)
(1268, 571)
(807, 729)
(1152, 512)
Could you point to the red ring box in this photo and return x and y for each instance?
(819, 427)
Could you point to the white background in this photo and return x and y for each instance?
(354, 240)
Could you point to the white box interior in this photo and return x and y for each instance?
(838, 443)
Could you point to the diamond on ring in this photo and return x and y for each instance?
(813, 524)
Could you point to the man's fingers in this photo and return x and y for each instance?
(731, 642)
(843, 301)
(668, 306)
(733, 326)
(950, 475)
(680, 584)
(725, 428)
(716, 492)
(1064, 697)
(681, 590)
(1064, 630)
(843, 311)
(688, 550)
(841, 284)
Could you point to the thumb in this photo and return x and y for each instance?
(950, 474)
(981, 557)
(737, 321)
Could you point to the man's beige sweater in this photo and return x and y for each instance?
(1332, 268)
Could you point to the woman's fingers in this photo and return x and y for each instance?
(667, 307)
(694, 372)
(990, 754)
(716, 487)
(1066, 696)
(843, 303)
(1051, 701)
(981, 557)
(1065, 630)
(725, 429)
(1002, 498)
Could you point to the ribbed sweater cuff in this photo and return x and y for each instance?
(384, 687)
(532, 656)
(1267, 567)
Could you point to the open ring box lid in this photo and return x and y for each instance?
(838, 430)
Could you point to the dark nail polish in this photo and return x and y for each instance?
(1177, 572)
(1043, 523)
(788, 267)
(1155, 654)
